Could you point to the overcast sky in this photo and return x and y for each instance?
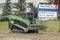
(14, 1)
(3, 1)
(35, 2)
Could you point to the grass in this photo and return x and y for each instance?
(4, 26)
(52, 26)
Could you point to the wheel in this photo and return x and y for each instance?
(31, 31)
(14, 28)
(36, 31)
(21, 24)
(17, 31)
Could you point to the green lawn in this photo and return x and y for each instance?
(52, 26)
(4, 26)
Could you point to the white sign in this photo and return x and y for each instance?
(47, 11)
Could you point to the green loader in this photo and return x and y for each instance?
(24, 23)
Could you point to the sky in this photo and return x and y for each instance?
(3, 1)
(35, 2)
(14, 1)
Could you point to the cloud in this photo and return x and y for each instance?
(14, 1)
(2, 1)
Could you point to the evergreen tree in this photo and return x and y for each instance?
(33, 8)
(21, 5)
(7, 8)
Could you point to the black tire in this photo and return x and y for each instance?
(36, 31)
(33, 31)
(14, 28)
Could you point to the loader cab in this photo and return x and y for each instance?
(29, 16)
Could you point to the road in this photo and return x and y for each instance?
(7, 35)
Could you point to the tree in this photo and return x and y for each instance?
(7, 8)
(21, 5)
(33, 8)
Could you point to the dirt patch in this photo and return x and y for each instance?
(7, 35)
